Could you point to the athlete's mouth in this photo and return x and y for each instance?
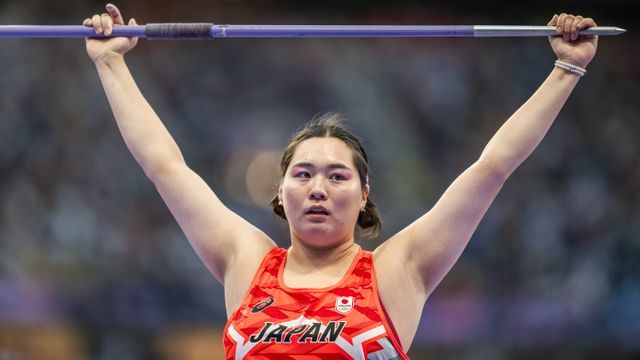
(317, 210)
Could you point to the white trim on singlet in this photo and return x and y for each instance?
(242, 347)
(356, 350)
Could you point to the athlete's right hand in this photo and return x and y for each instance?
(103, 24)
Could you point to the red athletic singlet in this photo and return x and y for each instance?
(344, 321)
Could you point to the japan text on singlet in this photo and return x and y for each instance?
(344, 321)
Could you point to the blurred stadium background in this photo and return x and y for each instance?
(92, 266)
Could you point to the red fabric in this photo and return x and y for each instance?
(344, 321)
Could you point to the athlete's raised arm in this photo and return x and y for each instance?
(425, 251)
(230, 247)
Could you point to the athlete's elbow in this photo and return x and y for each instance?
(156, 171)
(497, 170)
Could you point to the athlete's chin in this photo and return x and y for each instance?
(320, 236)
(316, 232)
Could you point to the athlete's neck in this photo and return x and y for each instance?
(303, 258)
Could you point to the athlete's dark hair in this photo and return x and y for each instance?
(331, 125)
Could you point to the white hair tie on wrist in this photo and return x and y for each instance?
(571, 68)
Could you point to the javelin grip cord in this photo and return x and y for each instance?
(178, 31)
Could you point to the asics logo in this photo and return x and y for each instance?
(262, 304)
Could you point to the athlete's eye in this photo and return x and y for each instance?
(301, 174)
(337, 177)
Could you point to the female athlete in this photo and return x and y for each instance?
(324, 296)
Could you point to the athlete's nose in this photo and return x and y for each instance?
(318, 191)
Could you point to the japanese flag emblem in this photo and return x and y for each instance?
(344, 304)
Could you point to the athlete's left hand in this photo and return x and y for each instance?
(570, 47)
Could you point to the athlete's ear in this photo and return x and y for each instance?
(280, 193)
(365, 194)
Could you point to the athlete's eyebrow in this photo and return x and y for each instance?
(329, 166)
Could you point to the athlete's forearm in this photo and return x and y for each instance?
(144, 133)
(523, 131)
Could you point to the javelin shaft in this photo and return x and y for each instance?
(209, 31)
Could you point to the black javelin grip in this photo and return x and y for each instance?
(178, 31)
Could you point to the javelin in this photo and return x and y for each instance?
(212, 31)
